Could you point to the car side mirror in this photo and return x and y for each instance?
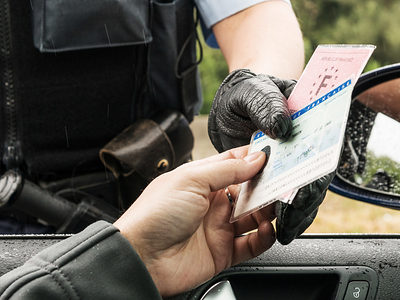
(369, 167)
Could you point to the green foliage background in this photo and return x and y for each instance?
(374, 22)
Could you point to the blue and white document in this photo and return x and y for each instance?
(319, 105)
(312, 152)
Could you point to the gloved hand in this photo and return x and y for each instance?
(293, 219)
(246, 102)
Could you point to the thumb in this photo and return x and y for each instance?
(267, 106)
(219, 174)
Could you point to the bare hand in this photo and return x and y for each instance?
(180, 224)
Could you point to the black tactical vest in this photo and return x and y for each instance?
(75, 73)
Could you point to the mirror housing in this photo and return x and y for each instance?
(341, 183)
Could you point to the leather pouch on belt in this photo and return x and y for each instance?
(145, 150)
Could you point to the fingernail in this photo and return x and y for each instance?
(253, 156)
(267, 151)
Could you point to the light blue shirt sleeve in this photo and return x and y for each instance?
(213, 11)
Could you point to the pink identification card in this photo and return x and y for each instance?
(332, 64)
(319, 106)
(329, 66)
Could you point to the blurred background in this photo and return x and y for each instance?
(374, 22)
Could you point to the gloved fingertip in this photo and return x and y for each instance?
(288, 133)
(284, 242)
(282, 128)
(284, 239)
(286, 235)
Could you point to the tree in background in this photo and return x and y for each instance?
(378, 163)
(213, 69)
(374, 22)
(352, 22)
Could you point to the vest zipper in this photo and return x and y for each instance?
(11, 147)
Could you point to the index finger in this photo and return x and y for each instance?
(218, 173)
(239, 152)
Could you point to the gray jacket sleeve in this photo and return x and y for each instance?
(98, 263)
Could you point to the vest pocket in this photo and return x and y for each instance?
(172, 57)
(65, 25)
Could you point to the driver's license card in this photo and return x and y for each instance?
(329, 66)
(312, 151)
(319, 105)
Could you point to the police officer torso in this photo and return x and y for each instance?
(75, 74)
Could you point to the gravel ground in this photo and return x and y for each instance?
(202, 144)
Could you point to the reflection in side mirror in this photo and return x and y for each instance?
(371, 154)
(383, 98)
(382, 170)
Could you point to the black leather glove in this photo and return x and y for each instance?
(293, 219)
(246, 102)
